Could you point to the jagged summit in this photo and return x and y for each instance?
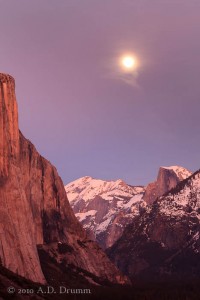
(86, 188)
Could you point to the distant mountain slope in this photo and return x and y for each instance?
(164, 241)
(104, 207)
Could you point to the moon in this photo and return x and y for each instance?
(129, 62)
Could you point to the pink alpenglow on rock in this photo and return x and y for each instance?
(34, 210)
(168, 178)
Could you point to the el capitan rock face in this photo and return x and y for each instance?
(18, 250)
(168, 178)
(104, 208)
(34, 209)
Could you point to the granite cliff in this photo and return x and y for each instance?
(168, 178)
(34, 210)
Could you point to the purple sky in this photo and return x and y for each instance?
(80, 113)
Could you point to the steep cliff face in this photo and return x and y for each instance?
(168, 178)
(18, 250)
(164, 241)
(9, 133)
(34, 209)
(104, 208)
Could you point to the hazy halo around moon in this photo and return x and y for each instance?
(128, 62)
(124, 66)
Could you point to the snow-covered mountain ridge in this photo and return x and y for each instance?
(87, 188)
(105, 208)
(165, 240)
(184, 198)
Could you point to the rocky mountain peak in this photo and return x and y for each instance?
(104, 207)
(181, 173)
(164, 241)
(168, 178)
(86, 188)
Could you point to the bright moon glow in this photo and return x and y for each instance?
(129, 62)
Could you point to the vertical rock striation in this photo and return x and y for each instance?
(9, 133)
(34, 209)
(18, 250)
